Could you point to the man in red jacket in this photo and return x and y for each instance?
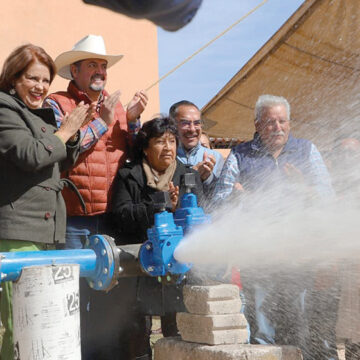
(105, 140)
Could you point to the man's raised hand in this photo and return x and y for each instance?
(136, 106)
(107, 110)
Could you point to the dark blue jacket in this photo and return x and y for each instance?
(258, 168)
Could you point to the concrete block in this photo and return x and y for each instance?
(215, 337)
(174, 348)
(208, 300)
(213, 292)
(212, 329)
(200, 323)
(197, 307)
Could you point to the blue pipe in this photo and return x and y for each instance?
(10, 269)
(99, 262)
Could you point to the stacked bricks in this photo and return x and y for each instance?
(213, 316)
(214, 329)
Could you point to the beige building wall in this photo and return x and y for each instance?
(57, 25)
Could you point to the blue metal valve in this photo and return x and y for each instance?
(190, 214)
(157, 253)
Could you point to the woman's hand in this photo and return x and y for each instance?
(72, 122)
(174, 195)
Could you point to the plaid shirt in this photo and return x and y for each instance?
(92, 132)
(320, 178)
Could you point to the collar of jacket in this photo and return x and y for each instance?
(44, 113)
(183, 152)
(80, 95)
(138, 174)
(17, 99)
(258, 146)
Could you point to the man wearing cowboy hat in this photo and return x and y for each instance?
(105, 138)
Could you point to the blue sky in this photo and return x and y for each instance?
(200, 79)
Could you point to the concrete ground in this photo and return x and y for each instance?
(156, 335)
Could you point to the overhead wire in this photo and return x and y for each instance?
(207, 44)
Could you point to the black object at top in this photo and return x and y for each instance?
(161, 201)
(171, 15)
(188, 180)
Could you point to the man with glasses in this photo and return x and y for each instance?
(206, 161)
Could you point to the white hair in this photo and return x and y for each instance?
(266, 101)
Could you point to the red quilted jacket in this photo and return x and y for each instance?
(94, 172)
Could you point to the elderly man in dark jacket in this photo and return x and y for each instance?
(278, 172)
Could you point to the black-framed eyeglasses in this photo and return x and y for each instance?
(186, 124)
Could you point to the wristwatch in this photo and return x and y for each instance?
(74, 138)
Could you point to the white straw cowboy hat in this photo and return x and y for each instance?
(90, 47)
